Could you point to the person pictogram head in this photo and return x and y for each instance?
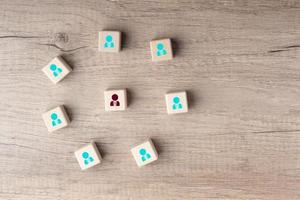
(176, 100)
(85, 155)
(143, 152)
(160, 46)
(109, 38)
(53, 116)
(53, 67)
(114, 97)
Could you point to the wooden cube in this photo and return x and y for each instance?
(115, 100)
(144, 153)
(176, 102)
(161, 50)
(57, 69)
(88, 156)
(109, 41)
(56, 118)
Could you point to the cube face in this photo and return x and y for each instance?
(57, 70)
(161, 50)
(144, 153)
(109, 41)
(176, 103)
(56, 118)
(88, 156)
(115, 100)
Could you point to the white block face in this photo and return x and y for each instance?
(115, 100)
(57, 70)
(88, 156)
(144, 153)
(56, 118)
(109, 41)
(161, 50)
(176, 103)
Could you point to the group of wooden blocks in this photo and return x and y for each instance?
(89, 155)
(114, 100)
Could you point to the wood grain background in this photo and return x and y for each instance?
(238, 60)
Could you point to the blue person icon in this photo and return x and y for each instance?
(176, 103)
(87, 158)
(55, 119)
(55, 70)
(144, 155)
(160, 49)
(109, 43)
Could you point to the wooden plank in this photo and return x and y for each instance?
(238, 60)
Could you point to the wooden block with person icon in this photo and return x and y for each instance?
(88, 156)
(109, 41)
(57, 69)
(161, 50)
(144, 153)
(56, 118)
(115, 100)
(176, 102)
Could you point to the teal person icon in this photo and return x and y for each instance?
(176, 103)
(109, 43)
(87, 158)
(55, 70)
(55, 119)
(144, 155)
(160, 49)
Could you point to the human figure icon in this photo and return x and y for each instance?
(55, 70)
(87, 158)
(109, 43)
(144, 155)
(160, 49)
(114, 101)
(55, 119)
(176, 103)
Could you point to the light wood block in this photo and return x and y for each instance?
(88, 156)
(115, 100)
(144, 153)
(57, 69)
(56, 118)
(161, 50)
(176, 102)
(109, 41)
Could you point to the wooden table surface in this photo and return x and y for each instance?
(239, 61)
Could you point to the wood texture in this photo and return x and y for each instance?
(238, 60)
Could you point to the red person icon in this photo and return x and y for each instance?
(114, 101)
